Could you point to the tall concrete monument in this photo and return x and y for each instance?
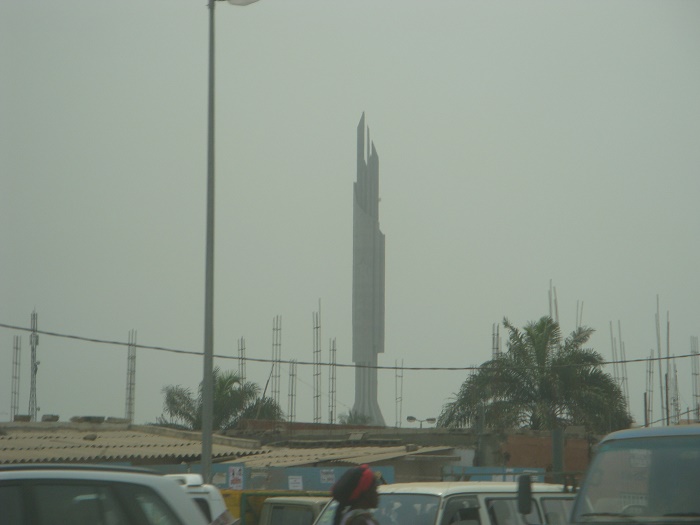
(367, 279)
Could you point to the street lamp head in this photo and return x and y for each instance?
(431, 420)
(411, 419)
(241, 2)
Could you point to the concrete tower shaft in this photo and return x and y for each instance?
(367, 279)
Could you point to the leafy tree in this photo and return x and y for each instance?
(354, 418)
(541, 382)
(233, 400)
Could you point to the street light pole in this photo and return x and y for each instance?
(208, 374)
(412, 419)
(208, 380)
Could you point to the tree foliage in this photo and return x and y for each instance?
(541, 382)
(354, 418)
(233, 400)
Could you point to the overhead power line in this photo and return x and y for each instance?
(305, 363)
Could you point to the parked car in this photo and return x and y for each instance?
(465, 503)
(46, 494)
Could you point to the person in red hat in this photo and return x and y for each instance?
(356, 494)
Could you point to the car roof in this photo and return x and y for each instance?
(146, 478)
(168, 488)
(78, 467)
(445, 488)
(298, 499)
(642, 432)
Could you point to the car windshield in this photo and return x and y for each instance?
(642, 480)
(395, 509)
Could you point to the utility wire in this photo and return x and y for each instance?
(310, 363)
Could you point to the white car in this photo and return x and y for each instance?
(46, 494)
(207, 497)
(465, 503)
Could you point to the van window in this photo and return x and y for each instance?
(203, 505)
(402, 509)
(291, 515)
(78, 504)
(556, 510)
(11, 511)
(154, 509)
(504, 511)
(461, 510)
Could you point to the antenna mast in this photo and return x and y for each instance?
(292, 398)
(131, 376)
(241, 359)
(668, 366)
(398, 391)
(648, 416)
(33, 343)
(613, 344)
(695, 363)
(317, 363)
(623, 366)
(331, 381)
(675, 398)
(495, 341)
(661, 373)
(16, 355)
(276, 356)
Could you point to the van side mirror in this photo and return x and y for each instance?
(524, 494)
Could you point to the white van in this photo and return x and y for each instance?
(465, 503)
(643, 475)
(207, 497)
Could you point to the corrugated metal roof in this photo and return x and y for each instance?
(65, 445)
(290, 457)
(143, 445)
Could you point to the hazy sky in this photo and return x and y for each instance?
(519, 142)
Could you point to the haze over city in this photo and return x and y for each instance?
(520, 144)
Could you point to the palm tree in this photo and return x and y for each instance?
(233, 400)
(541, 383)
